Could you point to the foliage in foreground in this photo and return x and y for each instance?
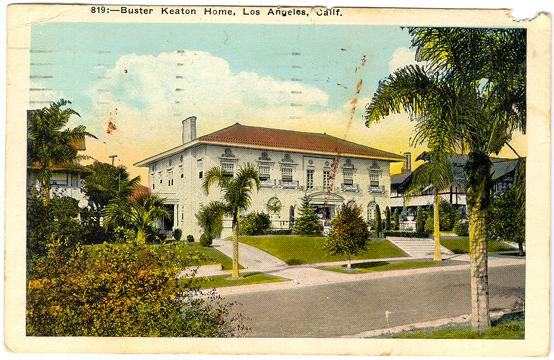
(505, 220)
(122, 290)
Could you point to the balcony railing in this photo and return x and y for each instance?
(294, 184)
(349, 187)
(267, 183)
(377, 189)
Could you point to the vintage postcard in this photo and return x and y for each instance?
(277, 180)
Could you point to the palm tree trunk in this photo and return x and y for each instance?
(436, 228)
(478, 195)
(141, 239)
(235, 272)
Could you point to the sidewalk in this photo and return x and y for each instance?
(256, 260)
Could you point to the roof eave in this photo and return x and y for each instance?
(167, 153)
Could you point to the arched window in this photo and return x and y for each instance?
(371, 211)
(274, 205)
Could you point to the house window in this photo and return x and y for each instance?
(181, 171)
(374, 179)
(371, 211)
(309, 179)
(264, 173)
(181, 157)
(325, 179)
(228, 169)
(286, 174)
(59, 179)
(161, 177)
(200, 168)
(200, 174)
(153, 186)
(348, 176)
(169, 178)
(170, 162)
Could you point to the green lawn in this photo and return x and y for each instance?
(211, 255)
(460, 245)
(381, 266)
(507, 329)
(295, 250)
(249, 279)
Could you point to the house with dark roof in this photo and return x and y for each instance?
(503, 172)
(291, 164)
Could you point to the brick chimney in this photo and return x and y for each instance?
(189, 129)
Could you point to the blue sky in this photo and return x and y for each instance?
(146, 78)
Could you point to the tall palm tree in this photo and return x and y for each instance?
(469, 97)
(48, 143)
(438, 173)
(138, 212)
(236, 198)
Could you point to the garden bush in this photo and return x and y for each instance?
(255, 223)
(462, 228)
(190, 238)
(177, 234)
(205, 240)
(121, 290)
(279, 232)
(307, 222)
(59, 219)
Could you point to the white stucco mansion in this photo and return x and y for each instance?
(291, 164)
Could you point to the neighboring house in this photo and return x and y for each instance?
(291, 164)
(66, 180)
(503, 173)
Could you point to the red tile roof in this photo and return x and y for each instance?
(253, 136)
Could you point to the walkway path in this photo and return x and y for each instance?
(250, 257)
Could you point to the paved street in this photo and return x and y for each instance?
(349, 308)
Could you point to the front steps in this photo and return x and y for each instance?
(417, 247)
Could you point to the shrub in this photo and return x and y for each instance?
(307, 223)
(429, 224)
(388, 224)
(397, 220)
(120, 290)
(190, 238)
(408, 234)
(505, 221)
(378, 222)
(205, 240)
(177, 234)
(255, 223)
(448, 216)
(122, 235)
(59, 219)
(462, 228)
(349, 233)
(155, 235)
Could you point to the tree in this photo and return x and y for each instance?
(505, 221)
(349, 233)
(470, 96)
(210, 218)
(138, 213)
(387, 219)
(307, 223)
(397, 219)
(236, 198)
(48, 143)
(378, 222)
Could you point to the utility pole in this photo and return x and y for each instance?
(113, 158)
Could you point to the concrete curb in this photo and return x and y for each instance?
(462, 319)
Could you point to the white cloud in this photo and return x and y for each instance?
(400, 58)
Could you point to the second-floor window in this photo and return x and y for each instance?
(374, 179)
(309, 179)
(170, 178)
(286, 174)
(348, 177)
(228, 169)
(264, 173)
(325, 179)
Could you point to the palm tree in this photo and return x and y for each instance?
(49, 143)
(469, 97)
(438, 173)
(210, 216)
(236, 198)
(139, 213)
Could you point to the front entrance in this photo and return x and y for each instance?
(167, 223)
(324, 211)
